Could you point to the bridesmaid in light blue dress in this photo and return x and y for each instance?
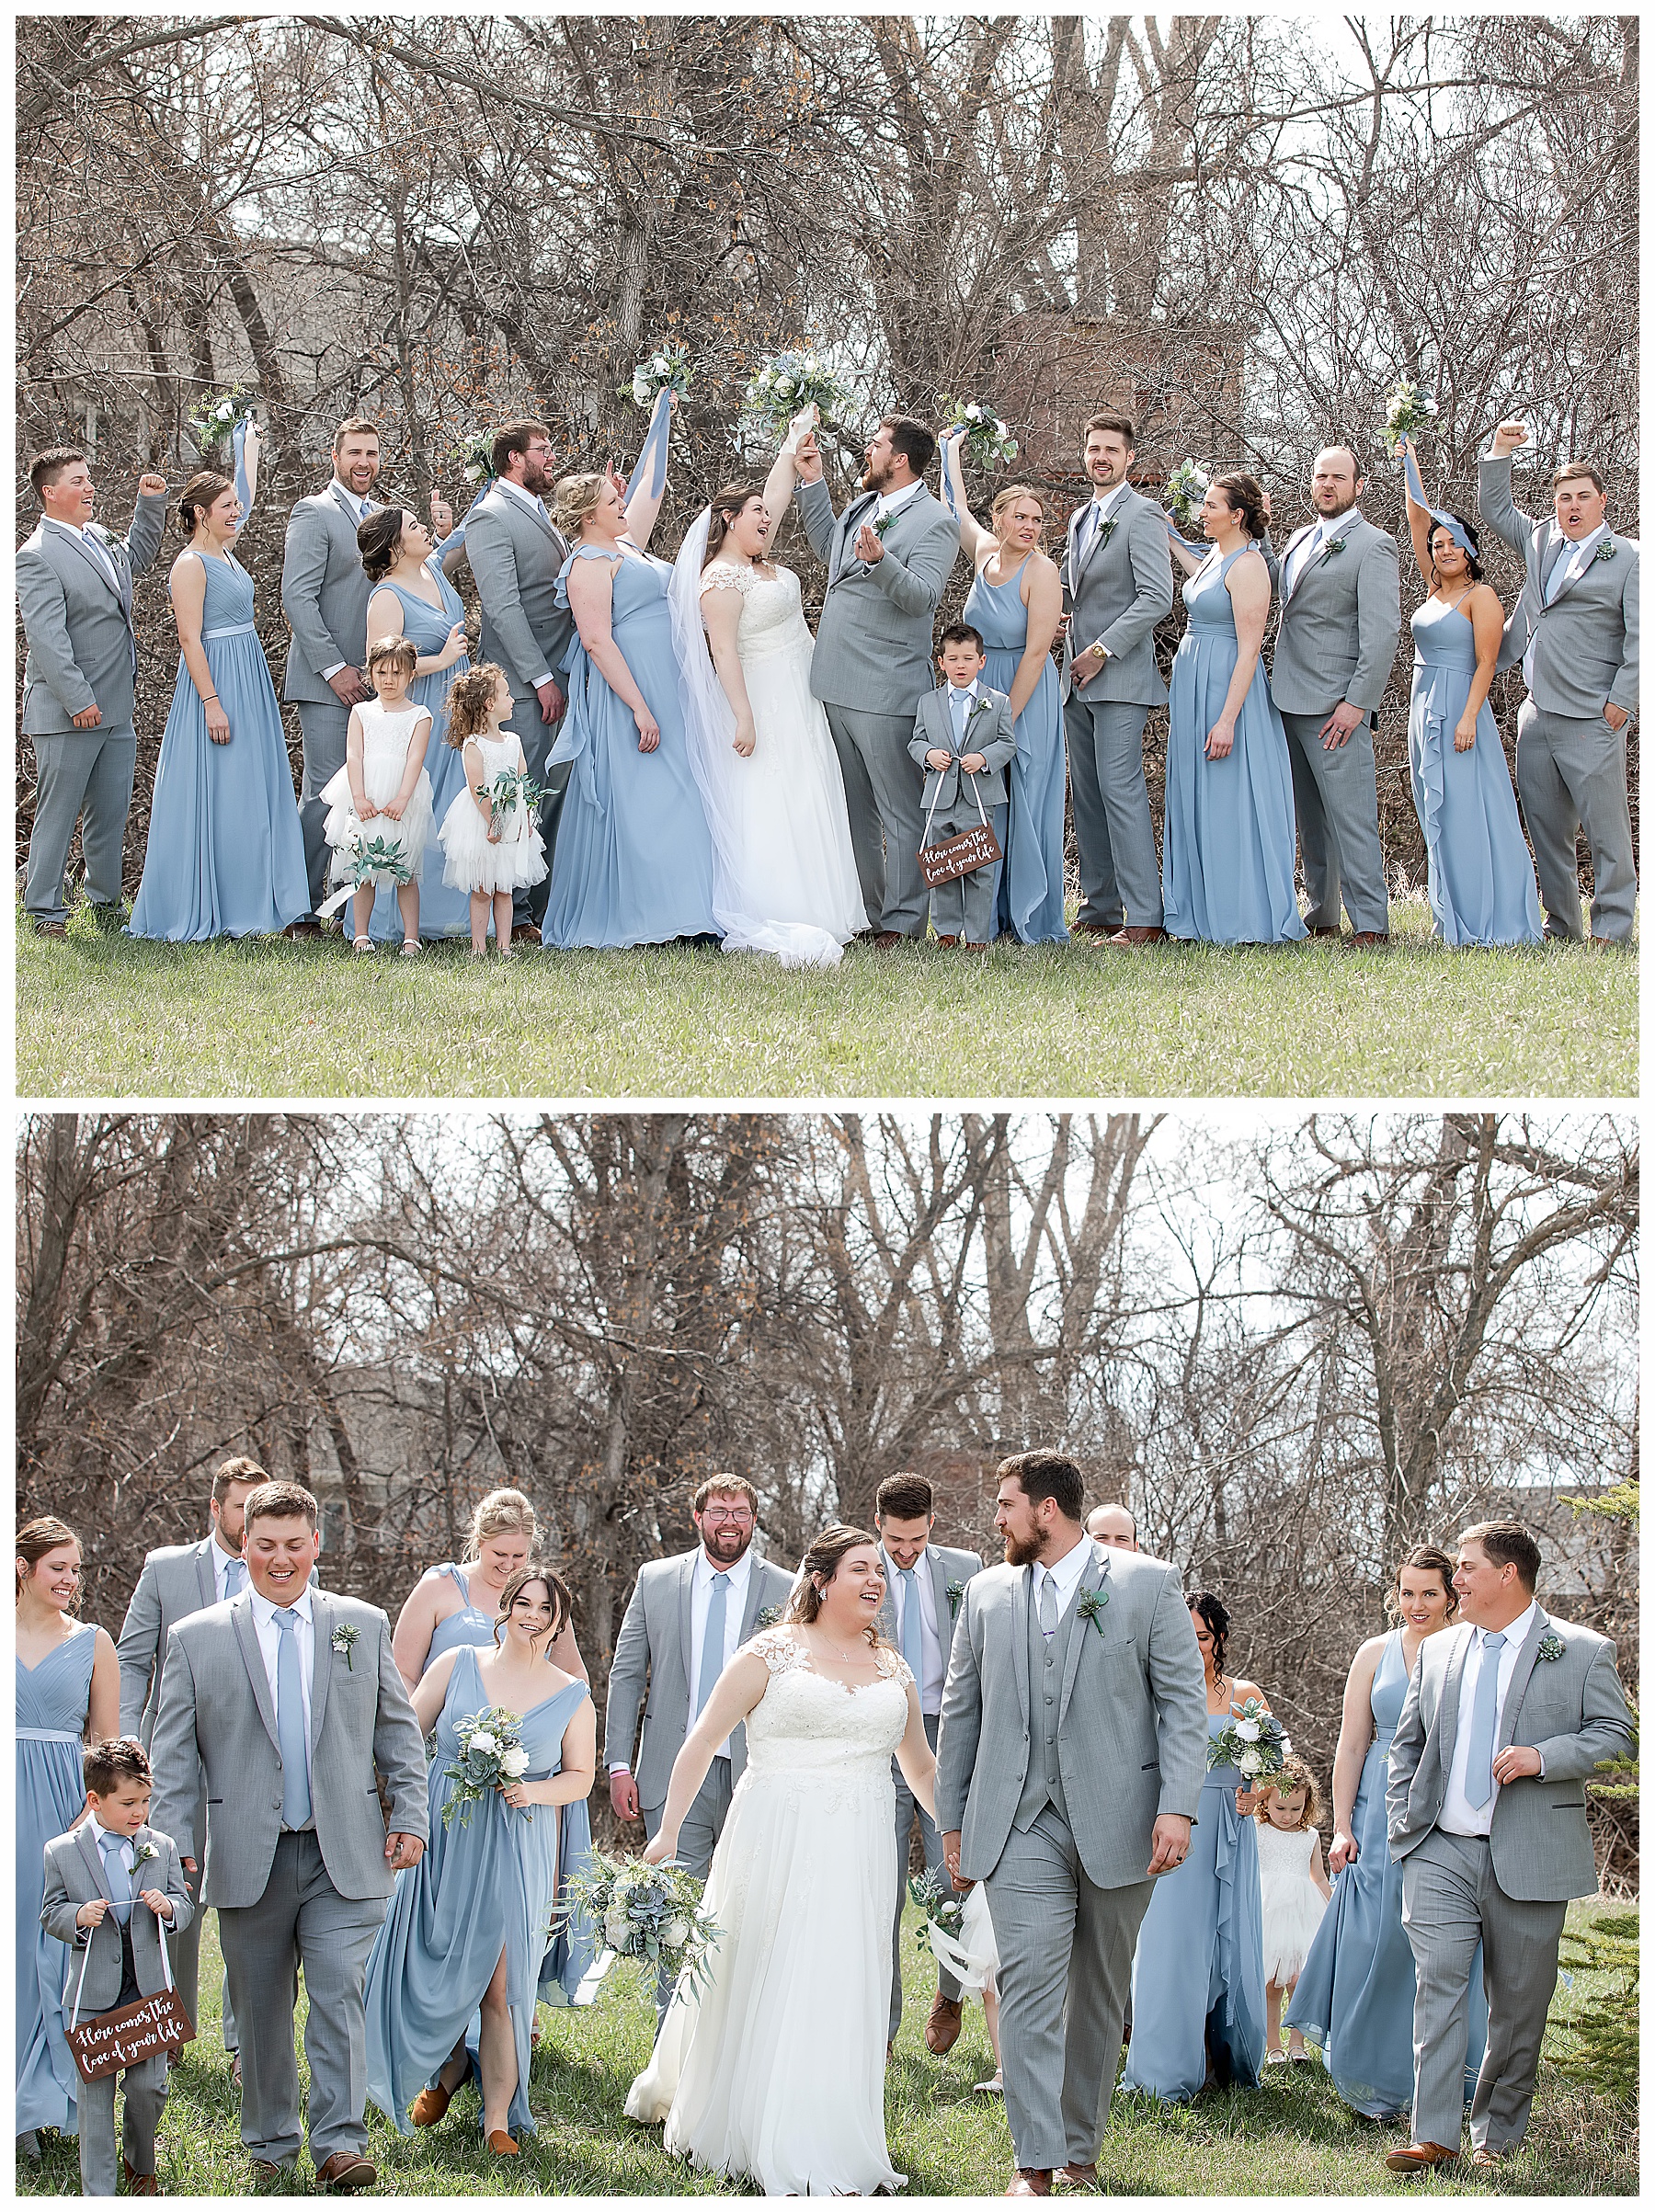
(1017, 609)
(68, 1690)
(1355, 1995)
(225, 856)
(470, 1925)
(412, 596)
(1479, 877)
(634, 859)
(454, 1604)
(1198, 1973)
(1227, 858)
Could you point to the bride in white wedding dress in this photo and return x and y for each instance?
(775, 2069)
(760, 748)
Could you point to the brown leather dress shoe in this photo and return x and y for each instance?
(503, 2145)
(1029, 2181)
(1077, 2177)
(139, 2184)
(51, 929)
(1366, 939)
(942, 2029)
(524, 933)
(1420, 2158)
(306, 926)
(266, 2172)
(1132, 940)
(430, 2105)
(346, 2169)
(1483, 2156)
(886, 940)
(1325, 929)
(1083, 929)
(948, 941)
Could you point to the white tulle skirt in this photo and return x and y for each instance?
(1293, 1913)
(776, 2069)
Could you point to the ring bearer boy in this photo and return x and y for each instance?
(964, 735)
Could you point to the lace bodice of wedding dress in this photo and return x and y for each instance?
(805, 1723)
(772, 612)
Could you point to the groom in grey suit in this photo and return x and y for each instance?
(1504, 1720)
(888, 558)
(1575, 632)
(290, 1699)
(1069, 1767)
(75, 594)
(1117, 583)
(1336, 639)
(516, 554)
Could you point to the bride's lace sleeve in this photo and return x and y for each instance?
(779, 1650)
(893, 1665)
(722, 576)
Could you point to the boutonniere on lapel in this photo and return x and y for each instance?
(1551, 1647)
(1089, 1605)
(979, 705)
(1605, 550)
(343, 1641)
(883, 525)
(956, 1592)
(1334, 545)
(143, 1851)
(1107, 532)
(768, 1616)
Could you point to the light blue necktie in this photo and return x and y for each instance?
(1485, 1705)
(235, 1577)
(116, 1880)
(540, 508)
(1048, 1608)
(1560, 570)
(960, 703)
(712, 1639)
(290, 1724)
(911, 1650)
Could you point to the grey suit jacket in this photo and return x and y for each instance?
(176, 1581)
(1118, 593)
(947, 1564)
(216, 1709)
(1586, 641)
(83, 650)
(989, 730)
(873, 643)
(1570, 1710)
(74, 1876)
(653, 1651)
(1132, 1732)
(516, 559)
(1337, 629)
(325, 594)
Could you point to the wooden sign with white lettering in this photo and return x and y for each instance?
(130, 2034)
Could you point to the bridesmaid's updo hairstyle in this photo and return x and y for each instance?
(557, 1594)
(727, 504)
(1430, 1560)
(574, 501)
(1215, 1618)
(397, 652)
(818, 1568)
(469, 700)
(198, 495)
(502, 1512)
(35, 1539)
(1244, 496)
(378, 538)
(1009, 499)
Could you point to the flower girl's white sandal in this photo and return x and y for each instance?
(412, 947)
(362, 944)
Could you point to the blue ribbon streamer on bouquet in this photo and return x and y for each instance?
(1178, 538)
(238, 446)
(1439, 515)
(456, 537)
(654, 456)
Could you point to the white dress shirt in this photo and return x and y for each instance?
(1302, 554)
(888, 503)
(933, 1652)
(269, 1645)
(536, 507)
(1459, 1816)
(1066, 1572)
(1091, 523)
(700, 1597)
(95, 546)
(359, 509)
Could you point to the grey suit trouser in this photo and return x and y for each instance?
(1336, 798)
(186, 1956)
(1451, 1902)
(883, 787)
(1120, 875)
(698, 1838)
(932, 1843)
(1065, 1969)
(1572, 770)
(537, 738)
(301, 1920)
(85, 775)
(145, 2089)
(321, 727)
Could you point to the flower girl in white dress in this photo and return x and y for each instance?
(382, 795)
(1294, 1891)
(488, 851)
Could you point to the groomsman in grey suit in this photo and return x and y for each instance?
(1506, 1716)
(888, 558)
(688, 1618)
(516, 554)
(1336, 639)
(924, 1585)
(291, 1700)
(1117, 583)
(75, 594)
(1069, 1767)
(324, 596)
(1575, 632)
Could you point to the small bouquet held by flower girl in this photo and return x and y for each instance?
(366, 859)
(650, 1912)
(491, 1758)
(1253, 1741)
(513, 787)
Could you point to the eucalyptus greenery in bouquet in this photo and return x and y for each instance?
(212, 422)
(372, 857)
(936, 1897)
(512, 787)
(491, 1757)
(988, 440)
(1186, 488)
(650, 1912)
(474, 458)
(1253, 1741)
(1408, 409)
(666, 369)
(792, 381)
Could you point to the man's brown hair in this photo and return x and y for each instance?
(280, 1501)
(236, 1470)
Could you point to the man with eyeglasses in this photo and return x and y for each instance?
(688, 1618)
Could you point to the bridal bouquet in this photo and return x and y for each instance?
(935, 1897)
(667, 368)
(512, 787)
(653, 1912)
(988, 440)
(1253, 1741)
(215, 419)
(1408, 410)
(473, 458)
(491, 1753)
(1187, 487)
(793, 381)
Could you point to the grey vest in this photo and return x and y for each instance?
(1042, 1786)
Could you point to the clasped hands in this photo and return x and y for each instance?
(91, 1914)
(974, 764)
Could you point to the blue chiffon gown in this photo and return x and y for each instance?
(443, 911)
(478, 1890)
(1355, 1996)
(1479, 877)
(1198, 1975)
(53, 1699)
(225, 856)
(1228, 863)
(634, 859)
(1029, 900)
(471, 1624)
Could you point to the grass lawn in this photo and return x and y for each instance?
(105, 1016)
(1292, 2137)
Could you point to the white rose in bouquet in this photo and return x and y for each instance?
(640, 387)
(616, 1926)
(1250, 1761)
(1248, 1731)
(675, 1933)
(515, 1762)
(660, 364)
(784, 385)
(482, 1741)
